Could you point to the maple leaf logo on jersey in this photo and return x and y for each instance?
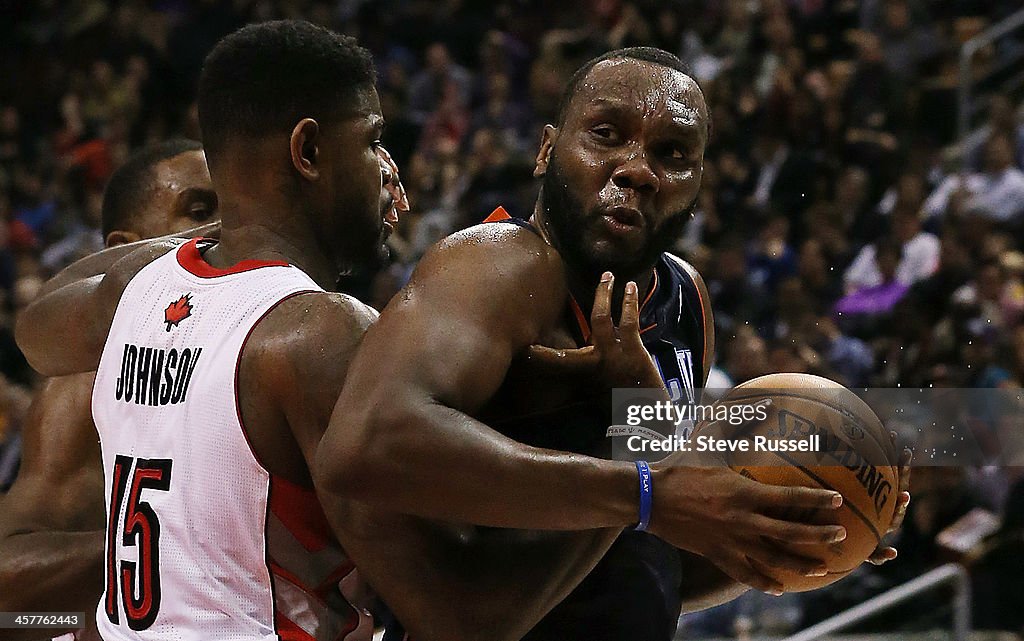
(178, 311)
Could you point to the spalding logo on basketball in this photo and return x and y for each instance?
(852, 454)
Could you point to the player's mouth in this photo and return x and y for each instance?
(623, 220)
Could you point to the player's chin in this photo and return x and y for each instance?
(614, 250)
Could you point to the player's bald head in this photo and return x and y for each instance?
(650, 55)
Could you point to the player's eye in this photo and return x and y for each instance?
(200, 211)
(605, 133)
(203, 207)
(675, 152)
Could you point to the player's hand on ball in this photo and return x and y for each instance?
(728, 519)
(616, 353)
(885, 553)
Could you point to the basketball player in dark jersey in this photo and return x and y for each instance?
(444, 380)
(51, 521)
(299, 181)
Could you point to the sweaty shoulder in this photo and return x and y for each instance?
(292, 369)
(501, 246)
(308, 330)
(498, 270)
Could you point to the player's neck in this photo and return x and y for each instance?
(245, 236)
(583, 285)
(582, 281)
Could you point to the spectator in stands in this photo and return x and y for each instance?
(771, 258)
(996, 193)
(1002, 118)
(746, 357)
(850, 358)
(783, 177)
(872, 302)
(918, 256)
(906, 42)
(441, 82)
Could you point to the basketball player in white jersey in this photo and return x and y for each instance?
(224, 359)
(51, 521)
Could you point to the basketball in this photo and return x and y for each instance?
(848, 450)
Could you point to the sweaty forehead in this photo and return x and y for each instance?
(185, 171)
(647, 87)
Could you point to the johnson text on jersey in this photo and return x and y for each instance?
(151, 376)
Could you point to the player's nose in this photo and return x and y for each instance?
(635, 172)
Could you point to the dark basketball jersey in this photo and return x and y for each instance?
(633, 594)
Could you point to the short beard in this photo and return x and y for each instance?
(565, 215)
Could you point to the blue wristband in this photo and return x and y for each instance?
(646, 493)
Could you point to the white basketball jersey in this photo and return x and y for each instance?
(203, 544)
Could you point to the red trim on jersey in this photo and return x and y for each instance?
(581, 319)
(335, 578)
(497, 215)
(282, 572)
(300, 511)
(351, 616)
(287, 630)
(190, 258)
(266, 547)
(650, 294)
(704, 324)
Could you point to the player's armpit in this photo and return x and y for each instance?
(449, 583)
(401, 434)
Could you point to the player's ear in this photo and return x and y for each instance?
(304, 145)
(118, 237)
(544, 153)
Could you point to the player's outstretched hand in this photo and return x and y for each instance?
(616, 353)
(885, 553)
(729, 519)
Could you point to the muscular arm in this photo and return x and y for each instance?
(402, 436)
(445, 583)
(100, 262)
(51, 521)
(62, 332)
(440, 351)
(452, 583)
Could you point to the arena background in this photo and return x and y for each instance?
(835, 164)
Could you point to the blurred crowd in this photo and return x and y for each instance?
(843, 228)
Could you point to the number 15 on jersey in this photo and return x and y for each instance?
(137, 582)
